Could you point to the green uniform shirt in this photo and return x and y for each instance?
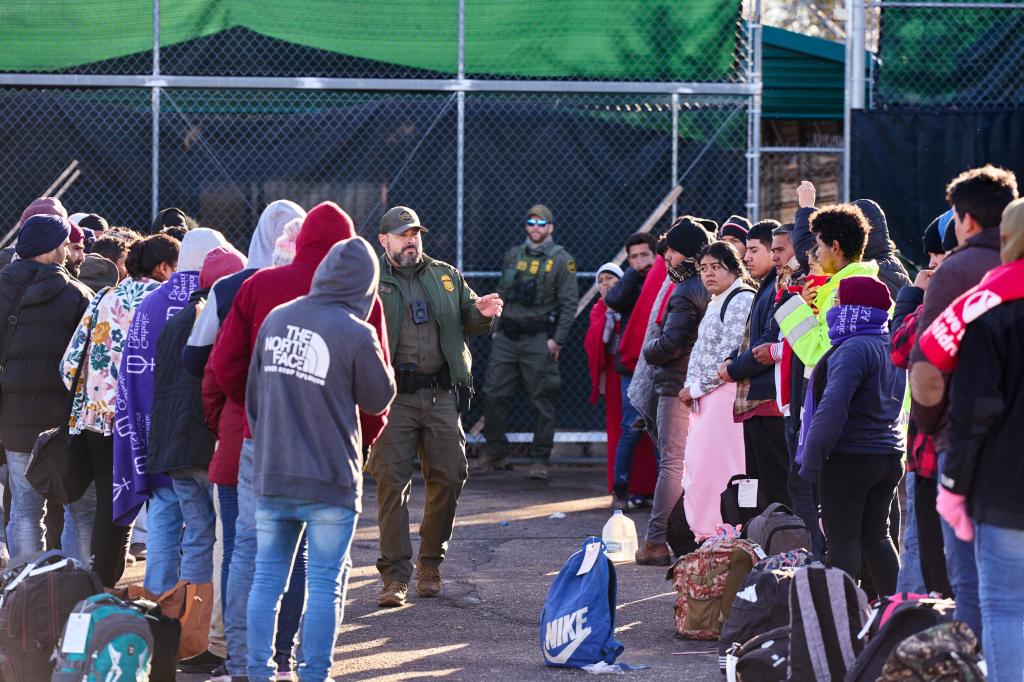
(555, 289)
(418, 344)
(451, 302)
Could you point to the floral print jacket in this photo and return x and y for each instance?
(94, 404)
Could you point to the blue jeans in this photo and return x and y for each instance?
(1000, 553)
(910, 578)
(163, 547)
(227, 496)
(279, 525)
(963, 575)
(79, 518)
(172, 553)
(28, 508)
(629, 437)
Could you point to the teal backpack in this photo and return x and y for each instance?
(105, 639)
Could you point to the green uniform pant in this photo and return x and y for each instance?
(528, 359)
(429, 420)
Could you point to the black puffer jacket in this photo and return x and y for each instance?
(34, 396)
(178, 435)
(669, 352)
(880, 248)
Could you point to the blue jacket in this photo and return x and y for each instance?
(762, 328)
(859, 410)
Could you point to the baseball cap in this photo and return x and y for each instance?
(541, 211)
(399, 219)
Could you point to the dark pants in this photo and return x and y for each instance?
(856, 493)
(109, 540)
(767, 454)
(227, 497)
(929, 537)
(801, 492)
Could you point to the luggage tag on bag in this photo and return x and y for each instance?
(76, 633)
(748, 493)
(589, 558)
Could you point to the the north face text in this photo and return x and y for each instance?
(302, 353)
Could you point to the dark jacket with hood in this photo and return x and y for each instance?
(315, 364)
(669, 352)
(323, 227)
(761, 328)
(52, 304)
(880, 248)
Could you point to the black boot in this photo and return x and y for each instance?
(620, 496)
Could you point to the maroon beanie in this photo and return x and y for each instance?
(44, 206)
(77, 235)
(866, 291)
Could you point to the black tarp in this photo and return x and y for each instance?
(904, 160)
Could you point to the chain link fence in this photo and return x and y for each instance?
(469, 160)
(948, 54)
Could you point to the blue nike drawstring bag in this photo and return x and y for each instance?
(577, 625)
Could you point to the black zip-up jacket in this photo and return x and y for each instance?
(762, 329)
(52, 304)
(178, 435)
(986, 404)
(669, 352)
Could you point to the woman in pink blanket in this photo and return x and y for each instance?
(714, 449)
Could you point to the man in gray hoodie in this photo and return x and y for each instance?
(315, 364)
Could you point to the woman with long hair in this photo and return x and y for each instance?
(714, 448)
(150, 262)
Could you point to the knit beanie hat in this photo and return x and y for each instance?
(610, 268)
(865, 291)
(708, 224)
(77, 234)
(96, 223)
(195, 245)
(687, 237)
(220, 262)
(931, 240)
(43, 206)
(947, 228)
(736, 226)
(284, 247)
(42, 233)
(1011, 231)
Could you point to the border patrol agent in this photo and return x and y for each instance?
(429, 310)
(538, 279)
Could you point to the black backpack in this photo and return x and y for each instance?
(679, 536)
(905, 620)
(35, 603)
(761, 659)
(761, 604)
(732, 512)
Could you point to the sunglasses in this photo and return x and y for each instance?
(536, 222)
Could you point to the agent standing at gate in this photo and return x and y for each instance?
(429, 310)
(538, 279)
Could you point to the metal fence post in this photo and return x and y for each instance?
(460, 141)
(155, 103)
(675, 150)
(754, 117)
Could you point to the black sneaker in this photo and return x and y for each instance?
(221, 674)
(201, 664)
(637, 502)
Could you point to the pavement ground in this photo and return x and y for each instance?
(502, 559)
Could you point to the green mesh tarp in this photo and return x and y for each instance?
(658, 40)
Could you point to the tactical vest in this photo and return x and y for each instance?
(524, 267)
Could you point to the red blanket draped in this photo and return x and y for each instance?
(633, 335)
(644, 473)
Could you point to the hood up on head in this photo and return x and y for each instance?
(284, 247)
(348, 275)
(220, 262)
(878, 245)
(195, 245)
(324, 226)
(270, 226)
(1011, 232)
(97, 272)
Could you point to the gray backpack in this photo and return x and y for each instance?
(777, 530)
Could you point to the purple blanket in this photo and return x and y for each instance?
(132, 485)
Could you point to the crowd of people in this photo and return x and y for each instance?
(801, 355)
(234, 400)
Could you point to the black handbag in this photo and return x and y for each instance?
(732, 512)
(59, 469)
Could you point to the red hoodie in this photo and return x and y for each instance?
(324, 226)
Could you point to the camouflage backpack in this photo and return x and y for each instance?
(943, 653)
(707, 581)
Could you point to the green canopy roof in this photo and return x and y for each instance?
(803, 76)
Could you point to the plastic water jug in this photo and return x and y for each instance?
(619, 536)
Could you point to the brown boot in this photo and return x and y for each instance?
(393, 594)
(653, 554)
(428, 581)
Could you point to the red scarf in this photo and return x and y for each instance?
(632, 342)
(940, 343)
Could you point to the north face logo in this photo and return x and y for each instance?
(302, 353)
(569, 631)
